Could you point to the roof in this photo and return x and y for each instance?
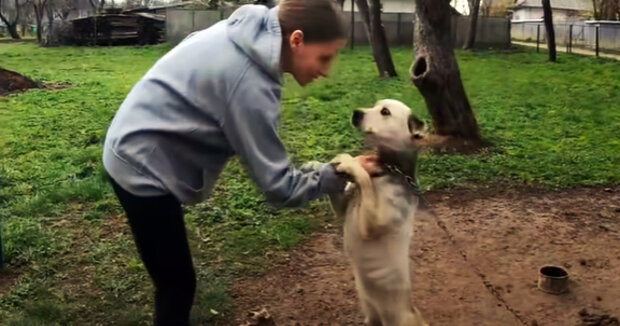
(155, 8)
(169, 5)
(580, 5)
(161, 18)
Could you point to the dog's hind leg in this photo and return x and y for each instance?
(414, 318)
(371, 315)
(419, 318)
(406, 317)
(372, 318)
(395, 310)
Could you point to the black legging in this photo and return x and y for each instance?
(159, 232)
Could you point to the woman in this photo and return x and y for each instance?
(213, 96)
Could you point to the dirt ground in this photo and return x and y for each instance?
(11, 81)
(480, 269)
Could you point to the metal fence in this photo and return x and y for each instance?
(399, 30)
(491, 32)
(595, 36)
(182, 22)
(399, 27)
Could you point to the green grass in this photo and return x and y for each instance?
(552, 125)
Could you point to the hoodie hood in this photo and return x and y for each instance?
(255, 29)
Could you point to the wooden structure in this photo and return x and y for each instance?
(119, 29)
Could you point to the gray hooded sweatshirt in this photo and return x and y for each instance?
(214, 95)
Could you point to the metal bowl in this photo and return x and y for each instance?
(553, 279)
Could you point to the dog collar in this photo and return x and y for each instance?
(410, 181)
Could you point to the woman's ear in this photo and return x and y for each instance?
(296, 39)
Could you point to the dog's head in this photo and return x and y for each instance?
(390, 123)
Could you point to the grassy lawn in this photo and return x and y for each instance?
(552, 125)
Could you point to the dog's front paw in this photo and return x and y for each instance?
(345, 163)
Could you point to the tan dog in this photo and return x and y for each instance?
(379, 213)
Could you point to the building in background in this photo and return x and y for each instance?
(389, 6)
(563, 10)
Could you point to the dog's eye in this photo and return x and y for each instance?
(385, 111)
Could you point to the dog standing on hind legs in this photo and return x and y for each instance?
(379, 213)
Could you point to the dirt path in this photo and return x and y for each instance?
(482, 272)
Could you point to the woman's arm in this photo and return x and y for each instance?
(250, 125)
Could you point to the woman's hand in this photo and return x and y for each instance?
(370, 163)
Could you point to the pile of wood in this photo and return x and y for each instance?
(119, 29)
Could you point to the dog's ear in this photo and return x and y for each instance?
(414, 123)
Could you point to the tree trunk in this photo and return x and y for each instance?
(610, 9)
(470, 4)
(50, 23)
(12, 26)
(436, 74)
(13, 31)
(375, 32)
(549, 28)
(39, 26)
(596, 11)
(362, 7)
(38, 13)
(97, 5)
(384, 57)
(473, 20)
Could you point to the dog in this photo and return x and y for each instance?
(378, 213)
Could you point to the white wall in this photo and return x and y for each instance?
(537, 13)
(389, 6)
(527, 13)
(583, 34)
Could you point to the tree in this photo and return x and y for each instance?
(39, 10)
(549, 28)
(495, 7)
(62, 8)
(5, 17)
(485, 8)
(471, 3)
(473, 20)
(97, 5)
(606, 9)
(56, 10)
(25, 17)
(436, 74)
(371, 17)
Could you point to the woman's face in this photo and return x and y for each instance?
(309, 61)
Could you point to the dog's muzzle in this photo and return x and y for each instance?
(358, 116)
